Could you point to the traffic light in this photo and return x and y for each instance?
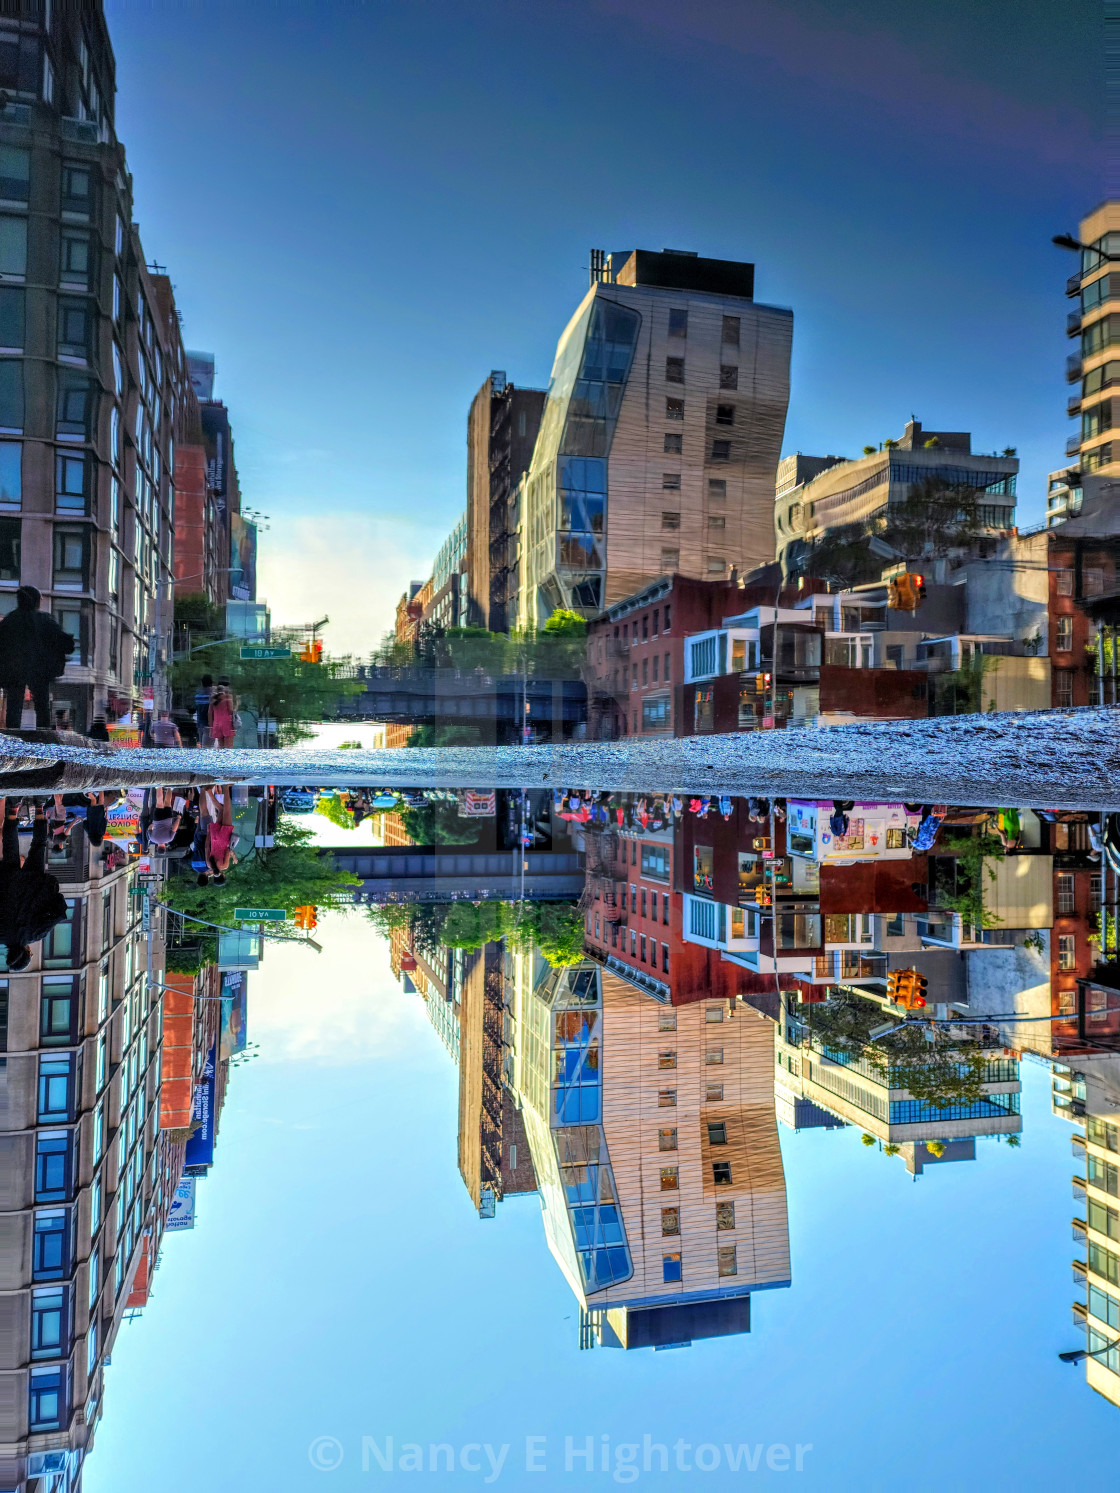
(906, 591)
(306, 918)
(907, 988)
(312, 652)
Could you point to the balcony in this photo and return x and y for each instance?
(1073, 404)
(1079, 1273)
(1073, 367)
(1073, 323)
(1073, 285)
(1077, 1225)
(1073, 445)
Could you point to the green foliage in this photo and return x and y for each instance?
(867, 1140)
(194, 610)
(1014, 1140)
(554, 928)
(969, 855)
(288, 690)
(935, 1147)
(292, 874)
(440, 824)
(566, 624)
(427, 735)
(331, 807)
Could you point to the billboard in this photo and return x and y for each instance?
(234, 993)
(217, 436)
(181, 1213)
(200, 1146)
(242, 558)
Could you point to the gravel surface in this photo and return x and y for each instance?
(1051, 758)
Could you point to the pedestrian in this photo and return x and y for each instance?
(218, 808)
(99, 731)
(30, 901)
(165, 818)
(33, 651)
(164, 732)
(97, 819)
(223, 717)
(202, 698)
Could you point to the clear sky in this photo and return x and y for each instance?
(366, 207)
(339, 1284)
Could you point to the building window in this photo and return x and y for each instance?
(56, 1009)
(50, 1252)
(717, 1133)
(1067, 951)
(52, 1167)
(1067, 901)
(13, 246)
(55, 1080)
(671, 481)
(667, 1059)
(670, 1221)
(46, 1398)
(1063, 582)
(717, 490)
(61, 944)
(668, 1179)
(730, 334)
(1064, 634)
(666, 1021)
(15, 173)
(721, 450)
(667, 1099)
(48, 1323)
(674, 367)
(670, 560)
(115, 436)
(1063, 689)
(73, 271)
(71, 558)
(727, 1265)
(714, 1056)
(713, 1013)
(716, 565)
(725, 414)
(678, 323)
(70, 483)
(728, 376)
(73, 329)
(11, 319)
(74, 415)
(665, 951)
(713, 1093)
(75, 618)
(671, 1268)
(77, 189)
(721, 1173)
(11, 480)
(670, 518)
(725, 1216)
(11, 397)
(666, 1140)
(717, 521)
(674, 409)
(674, 443)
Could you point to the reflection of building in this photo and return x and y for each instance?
(83, 1182)
(1096, 287)
(1099, 1231)
(660, 436)
(656, 1153)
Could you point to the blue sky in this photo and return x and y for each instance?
(366, 207)
(339, 1284)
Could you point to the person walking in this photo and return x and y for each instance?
(33, 651)
(30, 901)
(217, 805)
(202, 697)
(223, 723)
(164, 732)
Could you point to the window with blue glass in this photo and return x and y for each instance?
(46, 1405)
(55, 1087)
(52, 1167)
(50, 1254)
(48, 1323)
(1111, 1358)
(917, 1111)
(671, 1268)
(57, 1010)
(1105, 1307)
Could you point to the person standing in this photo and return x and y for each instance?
(33, 651)
(164, 732)
(30, 901)
(223, 726)
(202, 697)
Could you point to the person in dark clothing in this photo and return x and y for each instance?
(33, 651)
(99, 731)
(30, 901)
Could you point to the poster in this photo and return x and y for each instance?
(242, 558)
(181, 1213)
(234, 992)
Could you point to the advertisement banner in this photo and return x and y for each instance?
(233, 1013)
(123, 823)
(181, 1213)
(242, 558)
(200, 1147)
(474, 805)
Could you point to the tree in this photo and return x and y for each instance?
(292, 874)
(966, 857)
(288, 690)
(440, 824)
(935, 517)
(566, 624)
(331, 806)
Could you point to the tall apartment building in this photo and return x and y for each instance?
(83, 1182)
(809, 503)
(501, 429)
(1098, 1233)
(91, 370)
(661, 433)
(211, 570)
(1094, 368)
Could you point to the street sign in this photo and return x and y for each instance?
(260, 915)
(254, 650)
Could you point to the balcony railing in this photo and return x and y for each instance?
(1073, 367)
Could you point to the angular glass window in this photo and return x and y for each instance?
(46, 1398)
(13, 246)
(76, 261)
(71, 472)
(52, 1166)
(115, 436)
(118, 370)
(48, 1323)
(11, 477)
(56, 1011)
(11, 318)
(55, 1077)
(71, 557)
(15, 174)
(76, 410)
(11, 396)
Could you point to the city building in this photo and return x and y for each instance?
(661, 434)
(202, 518)
(448, 604)
(91, 372)
(227, 541)
(1092, 368)
(83, 1182)
(855, 492)
(501, 429)
(1098, 1233)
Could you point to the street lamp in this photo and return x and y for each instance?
(1067, 241)
(1077, 1354)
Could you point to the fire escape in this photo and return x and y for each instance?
(503, 541)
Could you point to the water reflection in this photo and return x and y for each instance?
(637, 991)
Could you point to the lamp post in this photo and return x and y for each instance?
(1067, 241)
(1075, 1355)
